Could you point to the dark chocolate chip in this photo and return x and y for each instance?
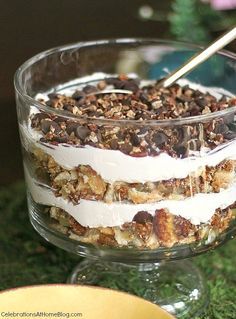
(131, 85)
(197, 93)
(71, 127)
(36, 120)
(90, 89)
(181, 150)
(202, 102)
(143, 217)
(195, 111)
(46, 125)
(144, 98)
(138, 115)
(43, 140)
(134, 139)
(126, 148)
(53, 95)
(185, 88)
(81, 102)
(82, 132)
(78, 95)
(119, 84)
(55, 128)
(41, 116)
(68, 107)
(143, 130)
(121, 135)
(61, 139)
(59, 120)
(159, 138)
(114, 144)
(183, 98)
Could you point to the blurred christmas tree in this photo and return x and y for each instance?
(196, 21)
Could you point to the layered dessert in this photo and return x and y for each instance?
(119, 162)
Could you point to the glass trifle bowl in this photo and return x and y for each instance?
(130, 176)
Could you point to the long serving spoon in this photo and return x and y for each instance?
(194, 61)
(198, 58)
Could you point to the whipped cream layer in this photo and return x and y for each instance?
(113, 165)
(197, 209)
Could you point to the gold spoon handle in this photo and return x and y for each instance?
(198, 58)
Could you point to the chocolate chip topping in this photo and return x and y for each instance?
(78, 95)
(159, 138)
(71, 127)
(125, 84)
(126, 148)
(88, 89)
(49, 125)
(82, 132)
(144, 103)
(114, 144)
(143, 217)
(134, 139)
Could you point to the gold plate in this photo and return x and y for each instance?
(87, 301)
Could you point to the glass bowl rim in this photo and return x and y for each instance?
(126, 254)
(20, 90)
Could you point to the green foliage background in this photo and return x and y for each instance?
(27, 259)
(197, 22)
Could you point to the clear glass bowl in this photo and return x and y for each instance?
(130, 191)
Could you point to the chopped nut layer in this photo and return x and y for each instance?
(162, 230)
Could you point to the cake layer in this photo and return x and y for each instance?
(197, 209)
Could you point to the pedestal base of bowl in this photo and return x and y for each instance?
(176, 286)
